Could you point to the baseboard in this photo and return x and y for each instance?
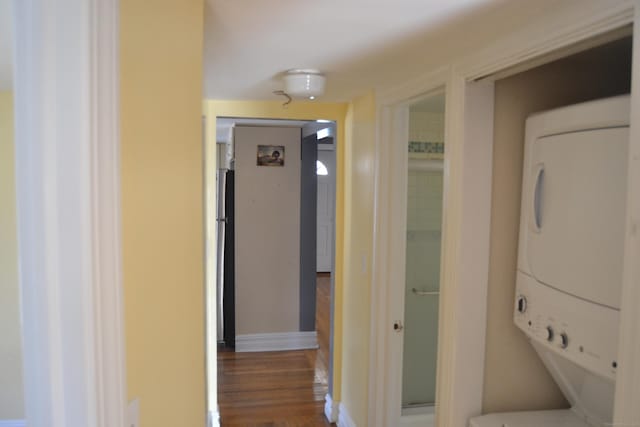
(277, 341)
(344, 419)
(214, 419)
(331, 408)
(13, 423)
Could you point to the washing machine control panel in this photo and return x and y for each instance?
(584, 332)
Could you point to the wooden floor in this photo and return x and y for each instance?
(278, 389)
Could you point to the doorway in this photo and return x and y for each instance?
(425, 152)
(239, 145)
(413, 302)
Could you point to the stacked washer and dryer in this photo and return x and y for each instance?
(569, 277)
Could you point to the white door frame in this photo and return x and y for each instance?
(466, 220)
(68, 198)
(627, 410)
(389, 249)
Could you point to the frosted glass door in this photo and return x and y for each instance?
(424, 219)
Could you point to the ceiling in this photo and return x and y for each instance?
(359, 44)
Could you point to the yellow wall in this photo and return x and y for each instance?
(162, 231)
(359, 189)
(11, 404)
(298, 110)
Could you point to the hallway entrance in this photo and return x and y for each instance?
(270, 325)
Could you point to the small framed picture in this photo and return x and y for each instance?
(270, 155)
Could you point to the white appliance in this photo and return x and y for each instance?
(570, 257)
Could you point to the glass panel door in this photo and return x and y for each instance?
(423, 243)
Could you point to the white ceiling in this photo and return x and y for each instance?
(6, 55)
(359, 44)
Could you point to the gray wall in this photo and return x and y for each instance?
(267, 233)
(514, 376)
(308, 232)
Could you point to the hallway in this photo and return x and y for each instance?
(278, 389)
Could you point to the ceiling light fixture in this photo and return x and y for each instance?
(304, 83)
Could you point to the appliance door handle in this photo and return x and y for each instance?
(536, 198)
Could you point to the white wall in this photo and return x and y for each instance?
(267, 226)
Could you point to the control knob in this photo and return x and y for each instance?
(550, 333)
(564, 340)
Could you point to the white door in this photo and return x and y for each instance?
(326, 208)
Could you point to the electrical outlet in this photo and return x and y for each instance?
(133, 413)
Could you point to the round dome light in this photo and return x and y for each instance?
(304, 83)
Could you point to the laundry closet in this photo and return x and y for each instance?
(515, 377)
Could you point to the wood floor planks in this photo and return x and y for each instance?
(278, 389)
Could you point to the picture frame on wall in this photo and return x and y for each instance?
(270, 155)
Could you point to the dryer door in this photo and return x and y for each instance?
(577, 219)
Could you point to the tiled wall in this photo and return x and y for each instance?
(426, 135)
(424, 219)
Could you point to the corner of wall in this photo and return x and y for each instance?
(359, 173)
(11, 381)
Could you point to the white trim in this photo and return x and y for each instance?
(627, 410)
(560, 30)
(331, 409)
(106, 209)
(213, 419)
(385, 370)
(418, 411)
(426, 419)
(211, 258)
(13, 423)
(277, 341)
(467, 179)
(68, 191)
(133, 413)
(412, 89)
(344, 419)
(466, 240)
